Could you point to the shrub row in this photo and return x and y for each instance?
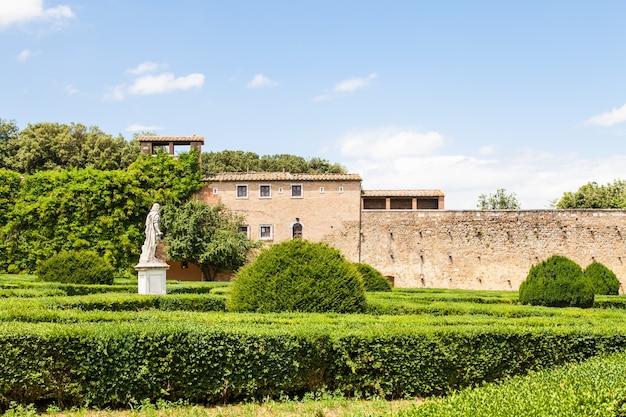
(221, 358)
(594, 388)
(117, 302)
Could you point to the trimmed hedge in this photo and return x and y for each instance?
(594, 388)
(298, 275)
(373, 280)
(117, 364)
(557, 282)
(76, 267)
(604, 280)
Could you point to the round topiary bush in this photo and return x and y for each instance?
(604, 280)
(557, 282)
(76, 267)
(298, 275)
(373, 280)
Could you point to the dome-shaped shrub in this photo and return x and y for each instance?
(298, 275)
(76, 267)
(373, 280)
(557, 282)
(604, 280)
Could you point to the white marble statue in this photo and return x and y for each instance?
(153, 235)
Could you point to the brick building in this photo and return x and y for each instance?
(407, 234)
(279, 206)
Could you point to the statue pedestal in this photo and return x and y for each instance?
(151, 278)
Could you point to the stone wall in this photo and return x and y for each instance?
(487, 249)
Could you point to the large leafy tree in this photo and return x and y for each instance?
(54, 146)
(9, 132)
(90, 209)
(207, 236)
(593, 195)
(240, 161)
(501, 200)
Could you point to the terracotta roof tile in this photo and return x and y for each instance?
(402, 193)
(279, 176)
(151, 138)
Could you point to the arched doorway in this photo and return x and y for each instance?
(296, 230)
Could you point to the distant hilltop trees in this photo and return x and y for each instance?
(55, 146)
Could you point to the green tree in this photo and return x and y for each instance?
(557, 282)
(604, 280)
(9, 188)
(9, 132)
(207, 236)
(298, 275)
(80, 209)
(501, 200)
(239, 161)
(54, 146)
(373, 280)
(595, 196)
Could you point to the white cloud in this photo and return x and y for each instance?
(610, 118)
(15, 12)
(346, 86)
(25, 55)
(142, 128)
(261, 81)
(536, 178)
(146, 83)
(164, 83)
(146, 68)
(390, 142)
(352, 84)
(117, 93)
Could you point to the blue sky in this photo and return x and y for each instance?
(463, 96)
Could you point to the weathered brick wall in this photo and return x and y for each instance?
(487, 249)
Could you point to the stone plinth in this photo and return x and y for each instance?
(151, 278)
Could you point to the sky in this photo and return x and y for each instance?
(467, 97)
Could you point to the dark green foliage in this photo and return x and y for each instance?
(54, 146)
(298, 275)
(207, 236)
(373, 280)
(592, 195)
(220, 358)
(604, 280)
(9, 188)
(557, 282)
(240, 161)
(76, 267)
(87, 208)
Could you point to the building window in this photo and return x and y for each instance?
(321, 190)
(341, 189)
(242, 191)
(296, 230)
(280, 190)
(266, 232)
(245, 230)
(265, 191)
(215, 191)
(296, 191)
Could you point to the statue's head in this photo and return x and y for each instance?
(156, 207)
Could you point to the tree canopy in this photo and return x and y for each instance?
(55, 146)
(77, 209)
(207, 236)
(240, 161)
(501, 200)
(592, 195)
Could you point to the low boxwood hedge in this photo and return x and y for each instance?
(221, 357)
